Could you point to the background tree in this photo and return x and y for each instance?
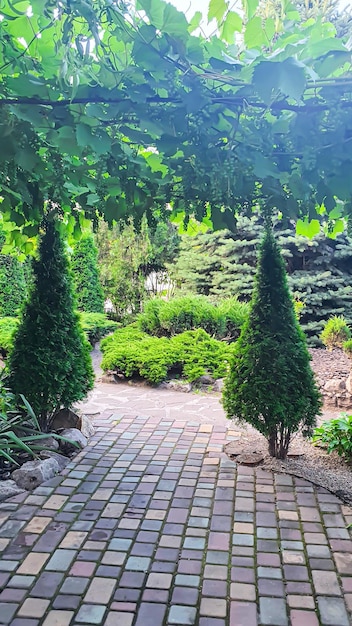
(50, 362)
(270, 383)
(319, 269)
(84, 263)
(122, 255)
(13, 289)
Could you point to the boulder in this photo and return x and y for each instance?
(349, 384)
(87, 428)
(50, 443)
(8, 488)
(218, 385)
(75, 437)
(33, 473)
(206, 380)
(175, 385)
(65, 418)
(334, 384)
(108, 377)
(59, 458)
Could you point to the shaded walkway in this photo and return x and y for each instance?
(151, 525)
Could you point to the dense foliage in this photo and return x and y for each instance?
(130, 108)
(96, 326)
(8, 326)
(319, 269)
(84, 263)
(270, 383)
(50, 361)
(170, 317)
(13, 289)
(336, 435)
(190, 355)
(335, 332)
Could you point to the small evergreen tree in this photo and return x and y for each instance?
(50, 362)
(270, 383)
(84, 262)
(13, 290)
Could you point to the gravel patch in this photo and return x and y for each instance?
(312, 462)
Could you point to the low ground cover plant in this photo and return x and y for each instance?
(190, 354)
(336, 436)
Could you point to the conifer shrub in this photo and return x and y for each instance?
(191, 354)
(8, 326)
(84, 263)
(235, 313)
(347, 348)
(270, 383)
(335, 332)
(167, 318)
(96, 326)
(50, 362)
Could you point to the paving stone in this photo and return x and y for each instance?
(90, 614)
(33, 607)
(306, 618)
(332, 612)
(273, 612)
(180, 614)
(7, 611)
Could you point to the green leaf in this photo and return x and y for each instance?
(308, 228)
(231, 25)
(339, 227)
(292, 81)
(154, 9)
(195, 21)
(217, 10)
(254, 35)
(287, 77)
(250, 7)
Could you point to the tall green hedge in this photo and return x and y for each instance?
(84, 262)
(50, 361)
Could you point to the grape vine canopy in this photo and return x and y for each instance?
(125, 108)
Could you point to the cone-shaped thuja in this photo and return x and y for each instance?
(270, 383)
(50, 362)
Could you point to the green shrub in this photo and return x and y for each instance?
(149, 320)
(270, 383)
(96, 326)
(335, 333)
(13, 289)
(84, 263)
(8, 325)
(168, 318)
(50, 362)
(191, 354)
(336, 435)
(347, 348)
(235, 314)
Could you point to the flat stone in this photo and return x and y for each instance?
(251, 459)
(233, 449)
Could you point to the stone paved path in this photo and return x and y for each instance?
(151, 525)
